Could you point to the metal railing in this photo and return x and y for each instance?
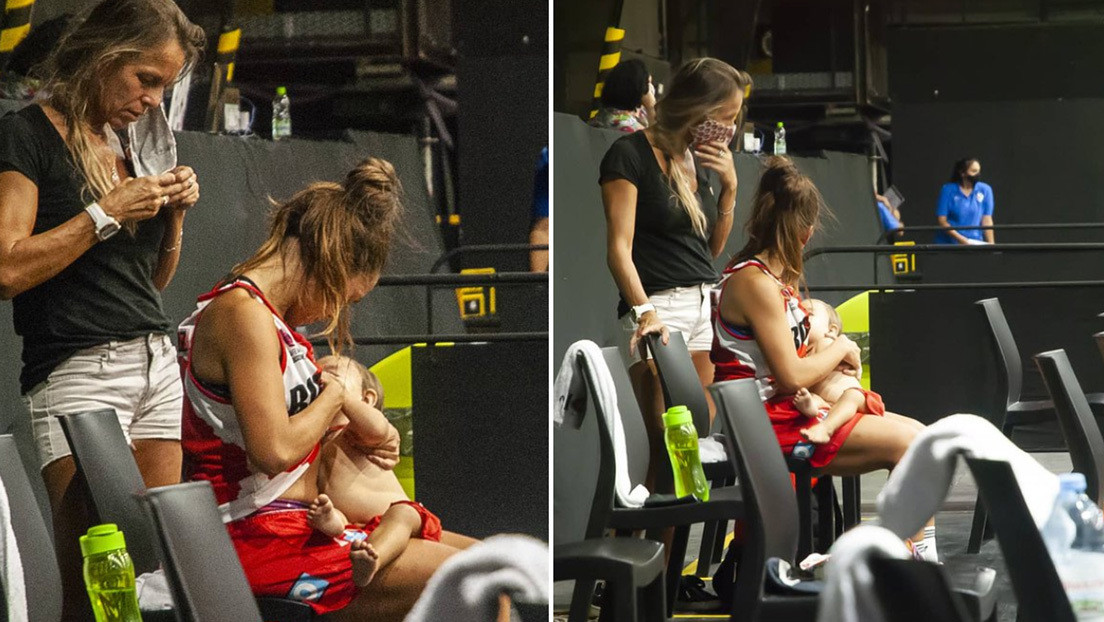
(888, 236)
(433, 281)
(877, 250)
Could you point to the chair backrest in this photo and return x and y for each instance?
(915, 591)
(679, 378)
(1035, 581)
(36, 550)
(632, 421)
(1079, 427)
(106, 462)
(769, 499)
(1007, 357)
(203, 571)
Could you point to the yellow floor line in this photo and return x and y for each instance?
(692, 567)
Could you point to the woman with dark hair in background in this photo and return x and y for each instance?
(965, 201)
(666, 224)
(89, 235)
(628, 98)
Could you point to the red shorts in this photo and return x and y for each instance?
(284, 557)
(788, 423)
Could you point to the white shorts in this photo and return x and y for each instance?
(683, 309)
(139, 379)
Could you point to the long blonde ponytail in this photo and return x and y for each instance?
(698, 89)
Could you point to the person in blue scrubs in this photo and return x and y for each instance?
(965, 202)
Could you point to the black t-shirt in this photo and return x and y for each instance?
(666, 251)
(107, 294)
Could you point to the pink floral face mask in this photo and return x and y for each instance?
(710, 131)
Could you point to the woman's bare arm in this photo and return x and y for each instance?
(754, 299)
(237, 345)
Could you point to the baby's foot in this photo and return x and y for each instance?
(365, 562)
(324, 517)
(817, 434)
(805, 403)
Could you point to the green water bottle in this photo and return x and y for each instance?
(682, 446)
(109, 575)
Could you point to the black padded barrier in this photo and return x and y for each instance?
(481, 429)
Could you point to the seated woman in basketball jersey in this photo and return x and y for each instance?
(358, 487)
(257, 407)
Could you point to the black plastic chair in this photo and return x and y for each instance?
(1009, 409)
(632, 569)
(40, 571)
(681, 385)
(915, 591)
(105, 463)
(1039, 593)
(1083, 437)
(724, 503)
(203, 572)
(771, 514)
(772, 525)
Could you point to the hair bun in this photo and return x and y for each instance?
(372, 177)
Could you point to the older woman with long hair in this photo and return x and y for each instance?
(87, 243)
(666, 224)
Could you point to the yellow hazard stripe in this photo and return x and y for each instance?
(609, 61)
(10, 37)
(614, 34)
(229, 41)
(11, 5)
(230, 72)
(598, 90)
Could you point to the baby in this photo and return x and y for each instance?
(840, 385)
(359, 501)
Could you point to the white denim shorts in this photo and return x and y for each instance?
(683, 309)
(139, 379)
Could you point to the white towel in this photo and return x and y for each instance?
(711, 450)
(918, 485)
(570, 393)
(467, 586)
(153, 591)
(152, 144)
(849, 594)
(11, 565)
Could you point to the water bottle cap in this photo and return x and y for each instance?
(101, 539)
(676, 416)
(779, 124)
(281, 90)
(1072, 481)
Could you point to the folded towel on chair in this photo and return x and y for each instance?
(11, 565)
(467, 586)
(918, 485)
(571, 394)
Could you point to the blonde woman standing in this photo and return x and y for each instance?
(86, 245)
(666, 225)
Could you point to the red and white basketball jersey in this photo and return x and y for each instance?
(214, 449)
(735, 353)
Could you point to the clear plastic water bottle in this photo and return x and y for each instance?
(109, 575)
(1074, 535)
(281, 115)
(780, 139)
(682, 447)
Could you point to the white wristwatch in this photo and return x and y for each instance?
(639, 310)
(106, 226)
